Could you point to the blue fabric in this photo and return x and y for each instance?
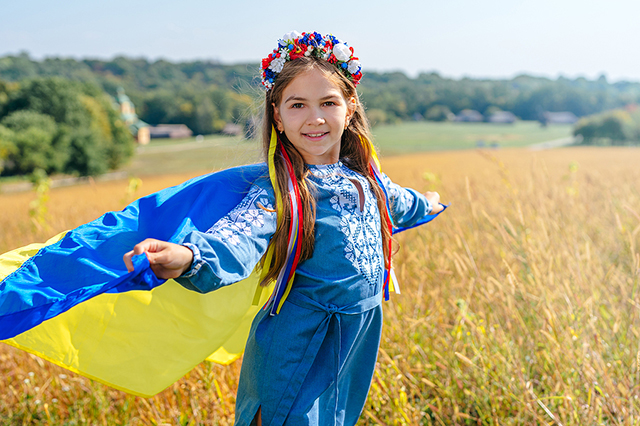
(88, 260)
(328, 330)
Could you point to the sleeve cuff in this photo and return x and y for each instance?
(197, 262)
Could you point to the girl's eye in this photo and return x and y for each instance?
(329, 103)
(298, 105)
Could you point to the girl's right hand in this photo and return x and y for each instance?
(434, 200)
(167, 260)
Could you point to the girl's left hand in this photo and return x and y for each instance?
(434, 200)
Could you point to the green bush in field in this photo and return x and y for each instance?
(61, 126)
(616, 127)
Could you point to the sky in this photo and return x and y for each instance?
(456, 38)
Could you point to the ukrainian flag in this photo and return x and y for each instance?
(72, 301)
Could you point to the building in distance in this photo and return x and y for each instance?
(138, 128)
(172, 131)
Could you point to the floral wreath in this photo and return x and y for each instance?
(294, 45)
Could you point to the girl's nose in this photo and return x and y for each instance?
(316, 116)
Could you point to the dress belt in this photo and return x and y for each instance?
(310, 354)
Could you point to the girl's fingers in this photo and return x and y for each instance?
(437, 208)
(127, 260)
(167, 260)
(146, 246)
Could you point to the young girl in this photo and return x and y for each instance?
(319, 227)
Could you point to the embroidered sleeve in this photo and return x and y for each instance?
(230, 250)
(407, 205)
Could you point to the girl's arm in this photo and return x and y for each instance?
(407, 205)
(224, 254)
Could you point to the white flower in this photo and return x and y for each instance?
(354, 66)
(277, 64)
(254, 217)
(342, 52)
(229, 236)
(291, 35)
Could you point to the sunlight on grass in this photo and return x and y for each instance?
(519, 305)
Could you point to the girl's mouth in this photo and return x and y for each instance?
(315, 135)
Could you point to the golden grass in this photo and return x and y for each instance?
(519, 306)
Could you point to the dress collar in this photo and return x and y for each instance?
(326, 170)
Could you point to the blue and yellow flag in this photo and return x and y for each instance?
(72, 301)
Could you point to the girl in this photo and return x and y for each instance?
(319, 227)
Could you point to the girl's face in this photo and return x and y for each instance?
(313, 113)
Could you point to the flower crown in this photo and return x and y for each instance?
(294, 45)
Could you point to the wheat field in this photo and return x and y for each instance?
(519, 305)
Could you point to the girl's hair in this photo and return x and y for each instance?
(355, 153)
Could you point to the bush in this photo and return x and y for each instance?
(439, 113)
(617, 127)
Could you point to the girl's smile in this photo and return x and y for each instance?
(313, 114)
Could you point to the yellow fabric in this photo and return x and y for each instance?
(142, 341)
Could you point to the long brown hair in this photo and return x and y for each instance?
(354, 153)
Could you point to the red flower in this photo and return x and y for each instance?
(298, 50)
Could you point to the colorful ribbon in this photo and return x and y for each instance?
(284, 281)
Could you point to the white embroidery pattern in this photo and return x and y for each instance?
(361, 230)
(244, 217)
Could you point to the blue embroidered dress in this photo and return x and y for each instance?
(313, 363)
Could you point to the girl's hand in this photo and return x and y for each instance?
(168, 260)
(434, 200)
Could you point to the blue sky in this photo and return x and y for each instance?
(491, 38)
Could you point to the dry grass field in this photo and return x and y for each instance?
(519, 305)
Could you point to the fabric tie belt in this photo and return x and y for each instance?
(310, 354)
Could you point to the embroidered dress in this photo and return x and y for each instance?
(312, 364)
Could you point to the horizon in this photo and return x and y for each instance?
(365, 71)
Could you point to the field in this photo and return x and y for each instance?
(519, 305)
(410, 137)
(214, 152)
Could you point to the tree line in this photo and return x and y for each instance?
(205, 95)
(57, 114)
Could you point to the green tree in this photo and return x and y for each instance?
(33, 136)
(64, 126)
(617, 127)
(7, 146)
(439, 113)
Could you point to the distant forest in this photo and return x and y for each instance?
(206, 95)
